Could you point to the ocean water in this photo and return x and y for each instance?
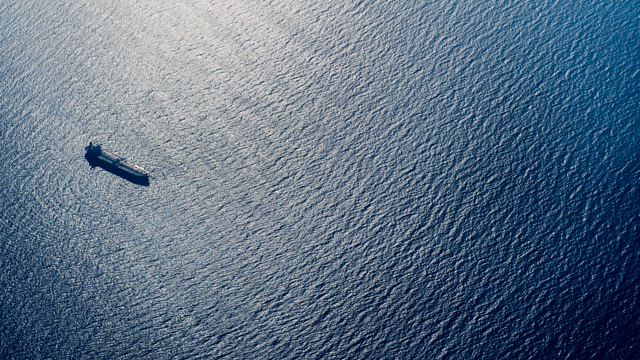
(455, 179)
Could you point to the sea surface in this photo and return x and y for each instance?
(455, 179)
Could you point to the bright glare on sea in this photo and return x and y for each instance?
(455, 179)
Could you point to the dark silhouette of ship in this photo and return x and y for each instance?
(116, 165)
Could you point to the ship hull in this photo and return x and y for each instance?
(117, 166)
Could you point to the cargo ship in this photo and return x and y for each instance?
(116, 165)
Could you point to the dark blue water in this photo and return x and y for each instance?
(341, 180)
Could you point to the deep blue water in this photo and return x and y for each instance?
(333, 180)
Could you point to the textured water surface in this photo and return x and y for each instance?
(386, 180)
